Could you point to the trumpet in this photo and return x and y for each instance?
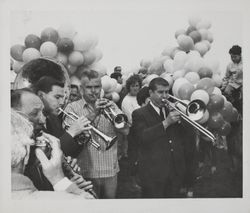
(194, 111)
(118, 120)
(109, 141)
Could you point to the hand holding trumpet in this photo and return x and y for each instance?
(172, 118)
(78, 126)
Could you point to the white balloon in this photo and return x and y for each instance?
(217, 91)
(177, 84)
(203, 24)
(100, 68)
(168, 77)
(178, 74)
(76, 58)
(194, 20)
(180, 59)
(168, 50)
(118, 88)
(66, 31)
(169, 65)
(48, 49)
(201, 47)
(115, 96)
(30, 54)
(106, 86)
(204, 33)
(145, 62)
(180, 32)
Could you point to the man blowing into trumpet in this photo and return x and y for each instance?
(161, 138)
(100, 166)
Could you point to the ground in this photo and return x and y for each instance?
(222, 184)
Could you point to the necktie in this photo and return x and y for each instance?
(161, 113)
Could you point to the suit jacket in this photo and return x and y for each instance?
(22, 187)
(158, 148)
(68, 145)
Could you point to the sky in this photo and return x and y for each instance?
(126, 36)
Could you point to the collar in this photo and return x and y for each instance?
(157, 109)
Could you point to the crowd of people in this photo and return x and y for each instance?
(72, 149)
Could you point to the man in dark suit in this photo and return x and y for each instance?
(161, 136)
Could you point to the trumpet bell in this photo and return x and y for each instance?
(120, 121)
(196, 110)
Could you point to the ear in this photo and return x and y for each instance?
(40, 94)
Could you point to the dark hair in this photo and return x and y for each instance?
(157, 81)
(235, 50)
(132, 80)
(118, 68)
(16, 95)
(116, 75)
(46, 83)
(72, 86)
(90, 74)
(142, 95)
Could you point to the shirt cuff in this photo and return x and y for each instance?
(62, 185)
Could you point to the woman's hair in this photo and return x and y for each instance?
(235, 50)
(132, 80)
(21, 132)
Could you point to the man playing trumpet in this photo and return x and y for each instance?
(100, 166)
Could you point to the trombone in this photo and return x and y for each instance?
(108, 140)
(194, 112)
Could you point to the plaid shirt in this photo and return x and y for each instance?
(96, 163)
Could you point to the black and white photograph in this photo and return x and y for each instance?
(124, 106)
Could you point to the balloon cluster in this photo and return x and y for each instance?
(192, 75)
(76, 51)
(64, 44)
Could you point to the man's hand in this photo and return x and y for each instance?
(80, 125)
(172, 118)
(52, 169)
(73, 164)
(81, 183)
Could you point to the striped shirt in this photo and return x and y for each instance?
(96, 163)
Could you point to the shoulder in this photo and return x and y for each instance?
(75, 104)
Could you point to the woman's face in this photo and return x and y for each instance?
(134, 89)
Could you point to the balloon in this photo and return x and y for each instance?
(216, 103)
(48, 49)
(205, 118)
(215, 120)
(32, 40)
(16, 52)
(194, 20)
(168, 66)
(168, 77)
(195, 35)
(101, 69)
(190, 29)
(30, 54)
(193, 64)
(185, 91)
(113, 84)
(206, 42)
(192, 77)
(71, 69)
(210, 37)
(180, 59)
(177, 84)
(203, 24)
(194, 54)
(204, 33)
(224, 129)
(49, 34)
(65, 45)
(205, 72)
(217, 79)
(180, 32)
(84, 43)
(17, 66)
(201, 47)
(76, 58)
(106, 86)
(118, 88)
(234, 116)
(62, 58)
(115, 97)
(89, 57)
(145, 63)
(185, 42)
(200, 95)
(227, 111)
(66, 31)
(168, 50)
(178, 74)
(216, 91)
(206, 84)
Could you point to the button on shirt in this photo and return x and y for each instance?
(96, 163)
